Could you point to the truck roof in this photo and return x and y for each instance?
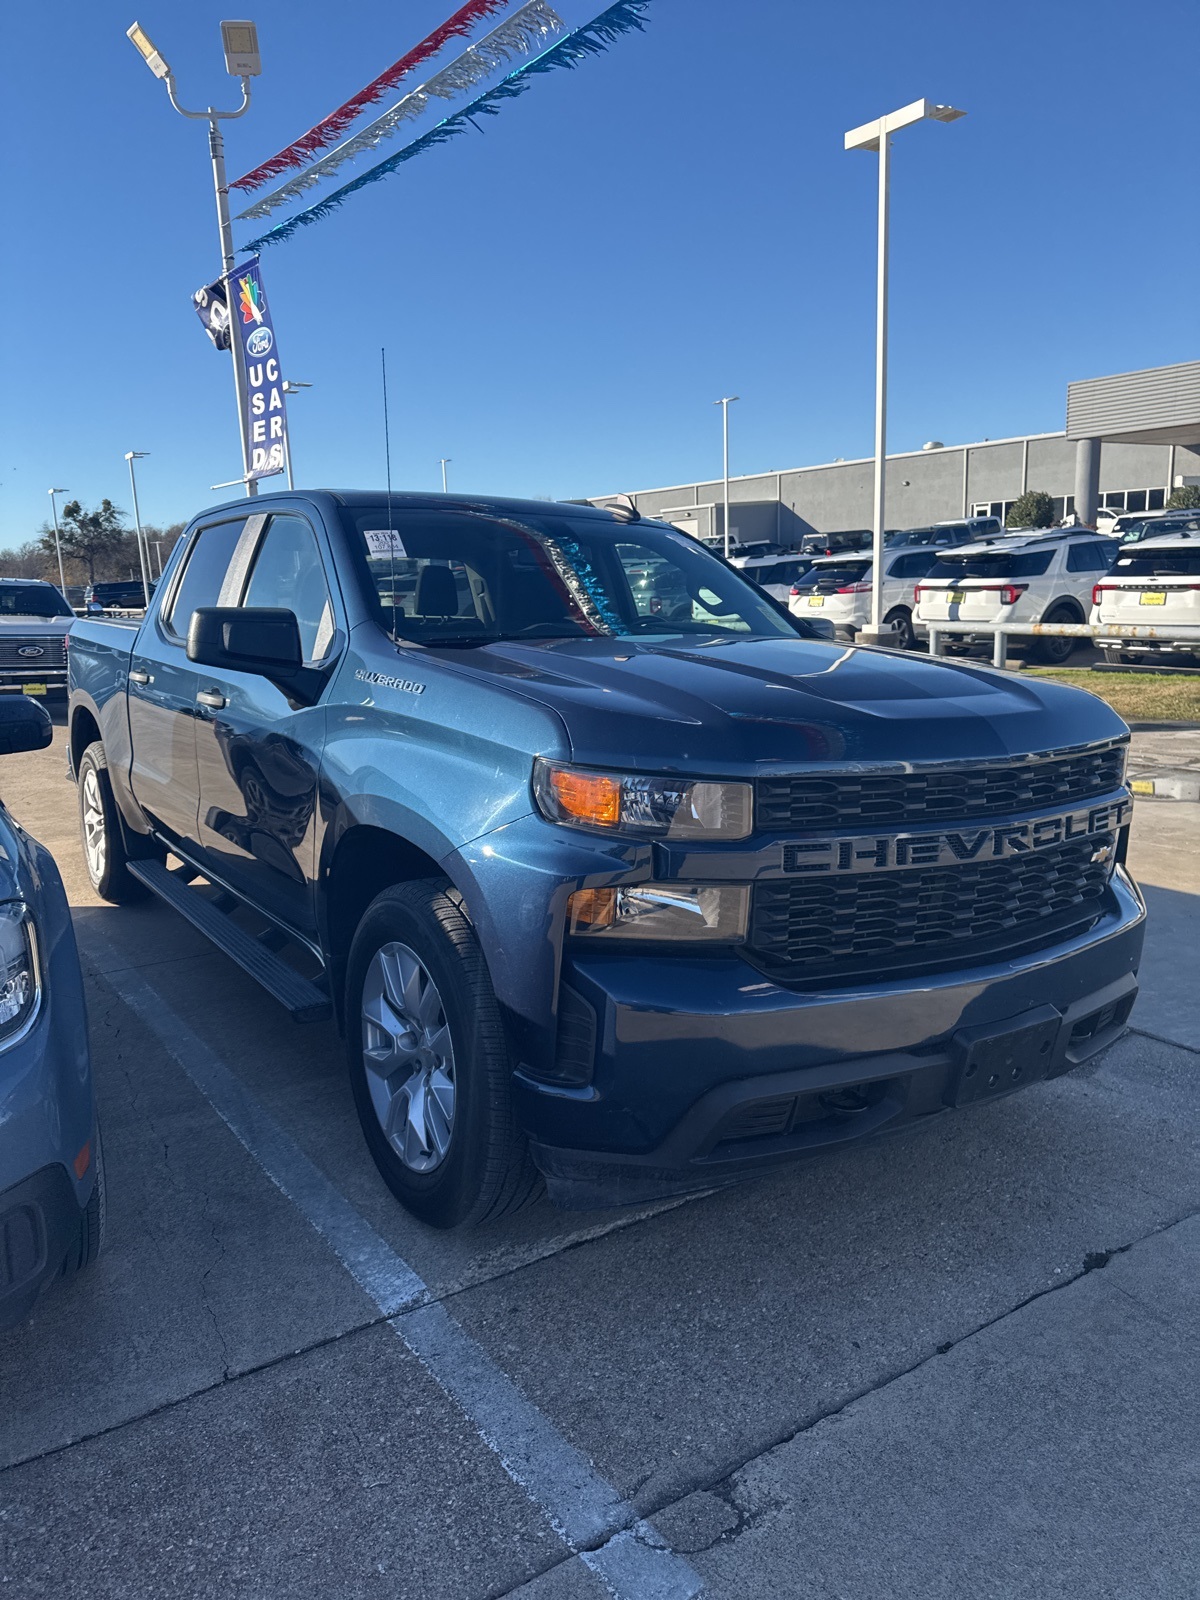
(411, 500)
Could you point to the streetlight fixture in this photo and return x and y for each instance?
(62, 582)
(443, 461)
(290, 386)
(725, 404)
(131, 456)
(876, 136)
(242, 60)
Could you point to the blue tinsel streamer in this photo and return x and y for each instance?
(589, 40)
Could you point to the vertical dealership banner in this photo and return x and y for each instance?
(266, 417)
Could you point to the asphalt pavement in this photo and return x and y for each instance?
(961, 1363)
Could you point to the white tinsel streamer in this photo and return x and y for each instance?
(525, 29)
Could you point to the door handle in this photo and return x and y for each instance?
(136, 675)
(211, 698)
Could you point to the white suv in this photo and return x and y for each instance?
(1156, 583)
(838, 588)
(1028, 577)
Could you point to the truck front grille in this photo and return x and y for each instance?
(842, 800)
(869, 924)
(52, 658)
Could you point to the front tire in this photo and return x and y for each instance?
(429, 1062)
(104, 852)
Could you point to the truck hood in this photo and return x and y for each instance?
(724, 705)
(15, 627)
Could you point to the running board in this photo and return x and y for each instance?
(295, 993)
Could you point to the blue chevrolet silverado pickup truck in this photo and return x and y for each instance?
(610, 872)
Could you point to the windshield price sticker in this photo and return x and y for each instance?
(384, 542)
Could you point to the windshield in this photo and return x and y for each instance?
(1156, 529)
(992, 564)
(36, 600)
(1159, 564)
(451, 578)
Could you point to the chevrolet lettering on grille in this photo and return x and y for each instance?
(887, 852)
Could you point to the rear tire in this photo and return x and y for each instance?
(429, 1061)
(1053, 652)
(104, 852)
(900, 618)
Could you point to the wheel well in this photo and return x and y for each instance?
(84, 731)
(366, 861)
(1065, 602)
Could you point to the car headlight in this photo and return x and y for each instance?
(715, 913)
(19, 985)
(656, 808)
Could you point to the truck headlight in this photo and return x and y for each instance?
(716, 913)
(657, 808)
(19, 985)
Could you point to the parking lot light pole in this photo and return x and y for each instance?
(290, 386)
(242, 60)
(143, 554)
(62, 582)
(876, 136)
(725, 402)
(443, 462)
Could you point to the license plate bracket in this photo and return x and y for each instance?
(1000, 1057)
(956, 597)
(33, 688)
(1152, 597)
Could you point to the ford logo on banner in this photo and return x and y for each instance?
(259, 342)
(31, 650)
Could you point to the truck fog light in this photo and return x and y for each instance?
(694, 912)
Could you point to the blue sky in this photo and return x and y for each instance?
(563, 296)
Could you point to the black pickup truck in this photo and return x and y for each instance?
(635, 899)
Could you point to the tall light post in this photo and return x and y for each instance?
(443, 462)
(62, 582)
(876, 136)
(242, 60)
(143, 556)
(290, 386)
(725, 404)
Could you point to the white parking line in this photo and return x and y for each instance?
(580, 1505)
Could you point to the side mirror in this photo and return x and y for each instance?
(260, 639)
(24, 725)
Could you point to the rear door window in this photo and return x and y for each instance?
(208, 564)
(914, 565)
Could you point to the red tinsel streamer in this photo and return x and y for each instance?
(328, 129)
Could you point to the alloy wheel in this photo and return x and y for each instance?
(95, 845)
(409, 1057)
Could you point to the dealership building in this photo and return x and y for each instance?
(1129, 440)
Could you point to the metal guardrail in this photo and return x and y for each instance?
(1003, 631)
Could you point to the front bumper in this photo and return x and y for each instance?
(705, 1071)
(40, 1222)
(13, 681)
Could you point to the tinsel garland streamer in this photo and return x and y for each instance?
(516, 36)
(320, 137)
(591, 39)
